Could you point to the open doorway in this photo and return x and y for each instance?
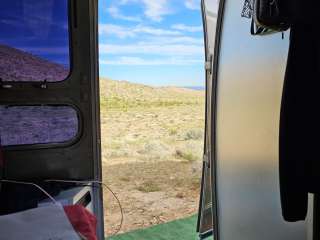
(152, 80)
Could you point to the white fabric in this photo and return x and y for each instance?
(44, 223)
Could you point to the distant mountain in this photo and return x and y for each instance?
(126, 94)
(198, 88)
(17, 65)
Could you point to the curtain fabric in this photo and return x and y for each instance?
(300, 120)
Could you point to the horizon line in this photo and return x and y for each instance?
(182, 86)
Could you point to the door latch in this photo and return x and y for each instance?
(209, 65)
(206, 160)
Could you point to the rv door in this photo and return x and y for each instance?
(242, 139)
(206, 210)
(49, 93)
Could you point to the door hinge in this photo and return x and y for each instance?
(206, 160)
(5, 85)
(209, 65)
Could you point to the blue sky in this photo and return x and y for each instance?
(154, 42)
(38, 27)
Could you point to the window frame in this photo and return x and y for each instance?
(41, 146)
(71, 4)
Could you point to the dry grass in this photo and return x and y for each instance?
(152, 149)
(149, 186)
(187, 155)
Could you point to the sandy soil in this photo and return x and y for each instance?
(152, 150)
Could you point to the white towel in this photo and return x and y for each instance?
(44, 223)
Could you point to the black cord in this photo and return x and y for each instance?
(87, 184)
(79, 183)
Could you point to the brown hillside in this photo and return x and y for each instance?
(17, 65)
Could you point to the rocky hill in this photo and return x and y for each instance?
(124, 94)
(17, 65)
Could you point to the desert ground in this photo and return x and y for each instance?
(152, 144)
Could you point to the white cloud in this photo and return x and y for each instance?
(156, 9)
(183, 27)
(155, 31)
(116, 30)
(193, 4)
(151, 46)
(146, 45)
(127, 32)
(138, 61)
(152, 49)
(173, 40)
(115, 13)
(153, 9)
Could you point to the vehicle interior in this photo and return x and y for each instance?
(50, 112)
(50, 120)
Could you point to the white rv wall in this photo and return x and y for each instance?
(250, 79)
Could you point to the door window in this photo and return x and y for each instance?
(34, 40)
(28, 125)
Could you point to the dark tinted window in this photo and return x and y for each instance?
(34, 40)
(25, 125)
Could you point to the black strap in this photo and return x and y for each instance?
(2, 163)
(257, 30)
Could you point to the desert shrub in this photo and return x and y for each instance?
(193, 134)
(125, 179)
(118, 153)
(191, 182)
(180, 195)
(155, 150)
(173, 131)
(186, 155)
(148, 187)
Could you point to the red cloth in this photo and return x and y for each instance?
(83, 221)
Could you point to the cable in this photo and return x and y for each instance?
(32, 184)
(87, 183)
(83, 183)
